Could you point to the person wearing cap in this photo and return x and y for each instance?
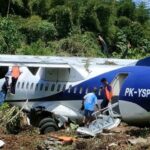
(89, 102)
(106, 92)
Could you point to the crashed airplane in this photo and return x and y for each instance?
(51, 89)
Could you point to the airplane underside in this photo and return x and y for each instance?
(137, 116)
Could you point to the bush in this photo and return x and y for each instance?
(35, 28)
(10, 37)
(79, 45)
(123, 22)
(36, 48)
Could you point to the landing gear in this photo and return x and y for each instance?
(47, 125)
(43, 119)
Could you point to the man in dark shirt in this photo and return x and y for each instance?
(106, 92)
(4, 90)
(5, 86)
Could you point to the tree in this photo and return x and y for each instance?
(60, 16)
(35, 28)
(142, 14)
(103, 14)
(121, 45)
(10, 36)
(135, 33)
(126, 8)
(88, 20)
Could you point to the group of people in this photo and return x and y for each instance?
(90, 101)
(10, 80)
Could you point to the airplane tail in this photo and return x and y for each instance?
(144, 62)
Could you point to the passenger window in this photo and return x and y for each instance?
(18, 85)
(46, 87)
(75, 90)
(53, 87)
(41, 87)
(22, 85)
(64, 88)
(99, 92)
(36, 87)
(81, 89)
(87, 90)
(31, 87)
(27, 85)
(58, 87)
(69, 90)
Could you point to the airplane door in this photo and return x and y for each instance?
(116, 87)
(56, 74)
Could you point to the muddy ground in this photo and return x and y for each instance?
(29, 138)
(116, 139)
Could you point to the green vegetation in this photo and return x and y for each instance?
(71, 28)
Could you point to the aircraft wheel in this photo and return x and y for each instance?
(45, 120)
(48, 127)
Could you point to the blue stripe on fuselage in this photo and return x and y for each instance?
(137, 78)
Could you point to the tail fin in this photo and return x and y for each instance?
(144, 62)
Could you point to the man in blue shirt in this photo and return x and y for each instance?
(89, 102)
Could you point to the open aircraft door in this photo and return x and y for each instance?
(117, 85)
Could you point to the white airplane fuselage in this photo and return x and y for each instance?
(60, 89)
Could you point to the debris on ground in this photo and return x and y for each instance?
(113, 144)
(122, 137)
(103, 122)
(62, 138)
(138, 141)
(2, 143)
(73, 126)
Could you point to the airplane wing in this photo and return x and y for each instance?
(33, 61)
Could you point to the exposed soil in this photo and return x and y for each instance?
(116, 139)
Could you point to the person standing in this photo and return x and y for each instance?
(15, 73)
(4, 89)
(89, 102)
(106, 92)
